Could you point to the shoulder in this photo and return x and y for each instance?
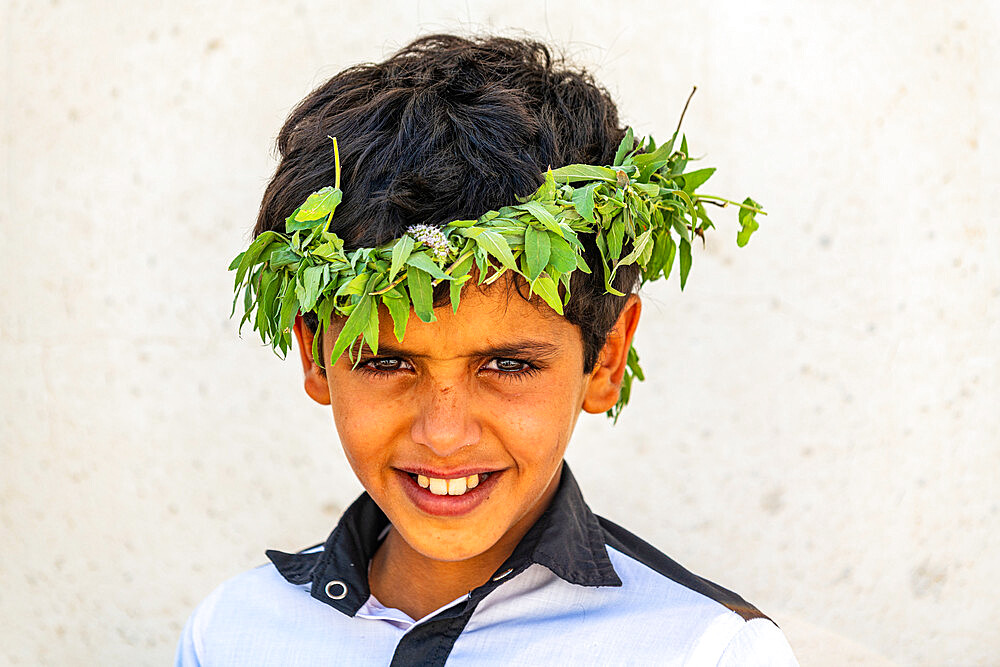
(683, 609)
(647, 566)
(229, 618)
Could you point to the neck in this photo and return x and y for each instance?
(405, 579)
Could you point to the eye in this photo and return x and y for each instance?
(509, 365)
(384, 365)
(512, 368)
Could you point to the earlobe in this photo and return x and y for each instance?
(315, 378)
(605, 383)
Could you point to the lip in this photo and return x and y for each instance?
(447, 506)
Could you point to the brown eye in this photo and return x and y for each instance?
(385, 365)
(508, 365)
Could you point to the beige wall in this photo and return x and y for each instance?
(820, 430)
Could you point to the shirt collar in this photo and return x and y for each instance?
(567, 539)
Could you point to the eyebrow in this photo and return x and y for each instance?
(511, 349)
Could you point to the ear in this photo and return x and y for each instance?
(315, 378)
(605, 383)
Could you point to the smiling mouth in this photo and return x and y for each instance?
(458, 486)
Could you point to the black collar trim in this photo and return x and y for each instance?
(567, 539)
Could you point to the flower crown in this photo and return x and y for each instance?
(634, 209)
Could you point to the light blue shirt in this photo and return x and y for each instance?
(578, 590)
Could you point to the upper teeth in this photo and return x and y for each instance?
(449, 487)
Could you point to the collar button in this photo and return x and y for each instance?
(336, 590)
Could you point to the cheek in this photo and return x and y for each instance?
(366, 422)
(536, 425)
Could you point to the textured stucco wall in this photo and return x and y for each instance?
(820, 429)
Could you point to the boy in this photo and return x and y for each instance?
(472, 543)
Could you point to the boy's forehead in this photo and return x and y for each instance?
(490, 319)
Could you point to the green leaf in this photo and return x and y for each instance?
(291, 225)
(423, 261)
(289, 307)
(633, 364)
(359, 319)
(615, 237)
(359, 256)
(461, 275)
(398, 305)
(247, 307)
(583, 201)
(537, 249)
(330, 252)
(650, 162)
(562, 256)
(334, 239)
(638, 248)
(681, 163)
(400, 253)
(668, 147)
(648, 189)
(494, 244)
(317, 338)
(266, 302)
(295, 226)
(625, 147)
(310, 287)
(663, 254)
(685, 261)
(647, 252)
(608, 272)
(324, 311)
(572, 173)
(418, 283)
(354, 286)
(544, 287)
(706, 222)
(547, 192)
(564, 280)
(319, 204)
(370, 331)
(482, 263)
(748, 222)
(695, 179)
(543, 215)
(249, 257)
(283, 257)
(609, 207)
(677, 222)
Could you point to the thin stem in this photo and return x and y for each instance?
(684, 111)
(709, 199)
(464, 256)
(336, 179)
(336, 164)
(401, 278)
(397, 281)
(496, 275)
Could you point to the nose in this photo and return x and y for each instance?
(445, 422)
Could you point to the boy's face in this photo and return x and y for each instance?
(483, 401)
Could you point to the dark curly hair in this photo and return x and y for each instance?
(449, 128)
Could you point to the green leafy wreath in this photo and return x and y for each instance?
(634, 208)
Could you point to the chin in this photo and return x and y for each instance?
(450, 545)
